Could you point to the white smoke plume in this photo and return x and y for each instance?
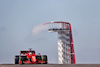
(39, 28)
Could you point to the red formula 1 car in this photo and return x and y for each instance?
(29, 57)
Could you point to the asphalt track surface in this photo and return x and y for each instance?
(50, 65)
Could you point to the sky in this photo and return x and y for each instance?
(19, 17)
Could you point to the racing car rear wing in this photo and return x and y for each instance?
(26, 52)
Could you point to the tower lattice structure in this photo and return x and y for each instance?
(66, 54)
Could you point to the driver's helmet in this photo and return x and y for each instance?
(30, 53)
(29, 50)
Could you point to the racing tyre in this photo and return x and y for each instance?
(38, 58)
(45, 59)
(16, 59)
(23, 58)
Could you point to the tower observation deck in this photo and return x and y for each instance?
(66, 54)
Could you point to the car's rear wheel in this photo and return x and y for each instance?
(43, 58)
(16, 59)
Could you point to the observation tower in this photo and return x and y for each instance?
(66, 54)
